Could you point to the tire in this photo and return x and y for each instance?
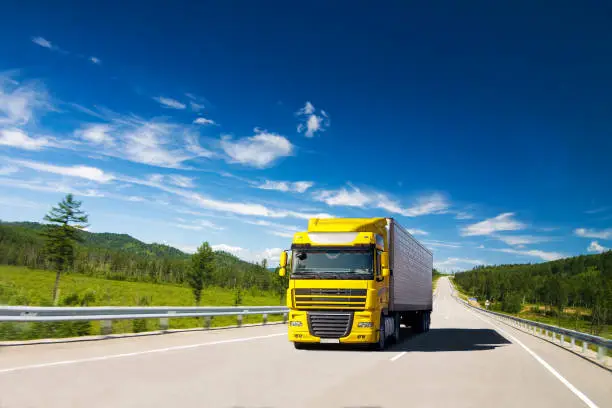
(396, 333)
(428, 321)
(382, 338)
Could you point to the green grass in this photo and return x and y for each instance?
(23, 286)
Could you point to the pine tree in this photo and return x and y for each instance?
(201, 270)
(65, 224)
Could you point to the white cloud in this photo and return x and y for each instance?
(455, 264)
(19, 139)
(169, 102)
(196, 107)
(286, 186)
(521, 239)
(50, 187)
(416, 231)
(311, 122)
(6, 170)
(534, 253)
(344, 197)
(442, 244)
(42, 42)
(593, 233)
(80, 171)
(198, 225)
(282, 234)
(463, 216)
(235, 250)
(19, 101)
(204, 121)
(502, 222)
(258, 151)
(95, 60)
(181, 181)
(98, 134)
(429, 204)
(595, 247)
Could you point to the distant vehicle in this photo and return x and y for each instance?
(354, 280)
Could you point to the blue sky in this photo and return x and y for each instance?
(484, 129)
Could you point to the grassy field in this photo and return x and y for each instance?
(22, 286)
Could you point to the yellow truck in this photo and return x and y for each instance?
(354, 281)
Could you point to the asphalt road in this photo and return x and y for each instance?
(465, 360)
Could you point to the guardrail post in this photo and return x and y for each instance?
(163, 323)
(265, 318)
(585, 346)
(601, 353)
(207, 322)
(573, 341)
(239, 318)
(562, 340)
(285, 318)
(106, 327)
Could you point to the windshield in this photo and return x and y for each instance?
(344, 264)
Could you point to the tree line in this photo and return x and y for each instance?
(581, 282)
(63, 245)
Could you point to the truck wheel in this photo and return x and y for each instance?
(382, 336)
(396, 328)
(418, 325)
(428, 321)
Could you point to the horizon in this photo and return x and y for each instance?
(178, 128)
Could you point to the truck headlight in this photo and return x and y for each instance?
(296, 324)
(365, 325)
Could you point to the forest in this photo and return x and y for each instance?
(580, 286)
(122, 257)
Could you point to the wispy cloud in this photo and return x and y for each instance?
(593, 233)
(269, 254)
(353, 196)
(198, 225)
(19, 139)
(534, 253)
(204, 121)
(522, 239)
(80, 171)
(416, 231)
(311, 123)
(7, 170)
(174, 179)
(169, 102)
(503, 222)
(595, 247)
(455, 264)
(95, 60)
(442, 244)
(286, 186)
(19, 101)
(260, 150)
(461, 215)
(42, 42)
(98, 134)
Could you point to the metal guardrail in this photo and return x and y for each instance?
(106, 314)
(551, 332)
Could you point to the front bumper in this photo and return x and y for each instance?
(356, 334)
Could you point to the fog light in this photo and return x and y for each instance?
(364, 324)
(296, 324)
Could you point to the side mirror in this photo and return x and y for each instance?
(384, 260)
(283, 264)
(385, 272)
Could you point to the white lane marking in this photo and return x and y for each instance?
(539, 359)
(135, 353)
(397, 356)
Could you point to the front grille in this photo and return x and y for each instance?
(330, 325)
(330, 298)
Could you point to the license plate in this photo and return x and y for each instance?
(330, 341)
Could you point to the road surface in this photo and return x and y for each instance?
(465, 360)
